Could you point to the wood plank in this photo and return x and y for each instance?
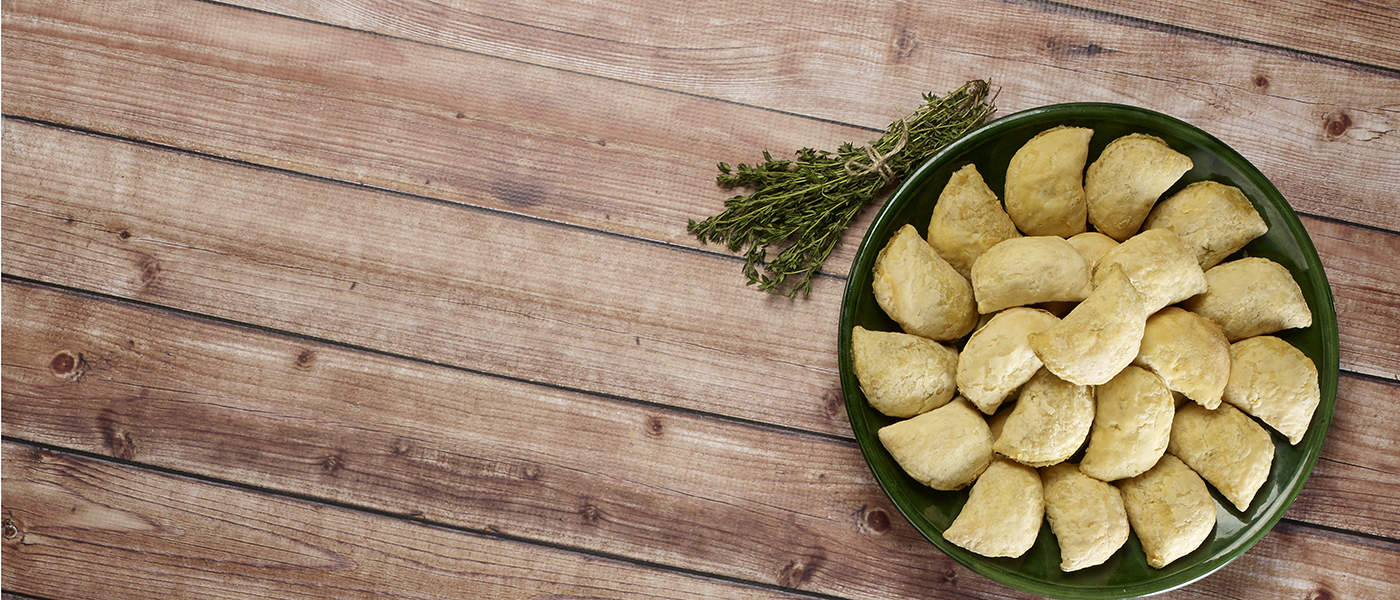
(130, 533)
(1361, 270)
(484, 291)
(1302, 122)
(480, 452)
(1352, 485)
(1357, 30)
(485, 453)
(1299, 562)
(91, 529)
(283, 265)
(530, 139)
(389, 113)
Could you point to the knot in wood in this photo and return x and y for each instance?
(67, 365)
(590, 513)
(877, 520)
(799, 571)
(1336, 123)
(305, 358)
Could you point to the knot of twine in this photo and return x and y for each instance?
(880, 162)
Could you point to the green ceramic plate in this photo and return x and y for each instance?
(1126, 574)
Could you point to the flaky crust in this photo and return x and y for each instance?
(1215, 219)
(1170, 510)
(945, 448)
(1049, 422)
(1045, 182)
(967, 220)
(1029, 270)
(903, 375)
(1224, 446)
(1160, 266)
(1251, 296)
(1086, 514)
(1003, 512)
(1189, 353)
(1121, 186)
(1275, 382)
(1132, 423)
(997, 359)
(920, 290)
(1099, 337)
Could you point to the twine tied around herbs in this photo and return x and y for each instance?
(879, 163)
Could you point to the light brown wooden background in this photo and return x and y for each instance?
(395, 299)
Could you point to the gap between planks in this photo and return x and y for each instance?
(152, 470)
(836, 278)
(1322, 193)
(1337, 32)
(198, 316)
(180, 315)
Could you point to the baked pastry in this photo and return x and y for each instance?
(1045, 182)
(1132, 423)
(1189, 353)
(1214, 219)
(1049, 422)
(1160, 266)
(1170, 510)
(920, 290)
(1099, 337)
(997, 359)
(1224, 446)
(1027, 270)
(903, 375)
(1003, 512)
(1092, 245)
(967, 220)
(1251, 296)
(1275, 382)
(945, 448)
(1121, 186)
(1086, 514)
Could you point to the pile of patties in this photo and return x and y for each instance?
(1134, 343)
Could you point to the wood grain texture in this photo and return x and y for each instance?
(483, 291)
(1303, 122)
(532, 140)
(489, 454)
(96, 530)
(480, 452)
(1365, 31)
(1350, 488)
(357, 107)
(281, 266)
(1361, 268)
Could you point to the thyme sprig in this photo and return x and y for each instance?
(807, 203)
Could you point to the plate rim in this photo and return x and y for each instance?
(1328, 370)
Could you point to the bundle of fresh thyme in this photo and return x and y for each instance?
(807, 203)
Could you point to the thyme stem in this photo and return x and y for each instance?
(803, 206)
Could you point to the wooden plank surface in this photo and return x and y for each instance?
(94, 530)
(1301, 121)
(255, 263)
(483, 291)
(489, 454)
(512, 373)
(129, 533)
(531, 139)
(474, 451)
(1365, 31)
